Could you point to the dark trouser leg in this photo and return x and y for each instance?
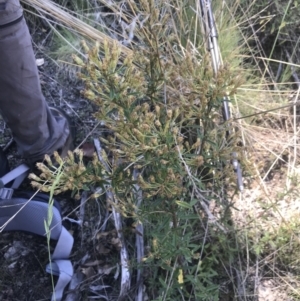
(22, 104)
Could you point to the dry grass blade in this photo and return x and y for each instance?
(19, 210)
(53, 10)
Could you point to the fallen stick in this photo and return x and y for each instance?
(83, 200)
(139, 242)
(74, 294)
(125, 273)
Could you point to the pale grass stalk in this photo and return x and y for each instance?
(277, 61)
(23, 206)
(278, 32)
(291, 167)
(256, 279)
(291, 284)
(48, 221)
(267, 111)
(201, 252)
(169, 280)
(285, 146)
(53, 10)
(241, 275)
(90, 133)
(199, 195)
(250, 22)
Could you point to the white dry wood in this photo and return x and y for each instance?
(99, 150)
(83, 200)
(139, 242)
(74, 294)
(40, 62)
(125, 272)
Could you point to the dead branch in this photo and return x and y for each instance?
(125, 274)
(139, 241)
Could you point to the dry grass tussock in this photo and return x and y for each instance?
(259, 251)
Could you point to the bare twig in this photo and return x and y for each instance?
(99, 150)
(294, 73)
(82, 206)
(130, 28)
(8, 145)
(83, 200)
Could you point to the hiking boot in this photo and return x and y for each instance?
(69, 144)
(63, 151)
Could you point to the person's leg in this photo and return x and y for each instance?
(22, 104)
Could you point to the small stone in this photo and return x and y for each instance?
(16, 250)
(12, 266)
